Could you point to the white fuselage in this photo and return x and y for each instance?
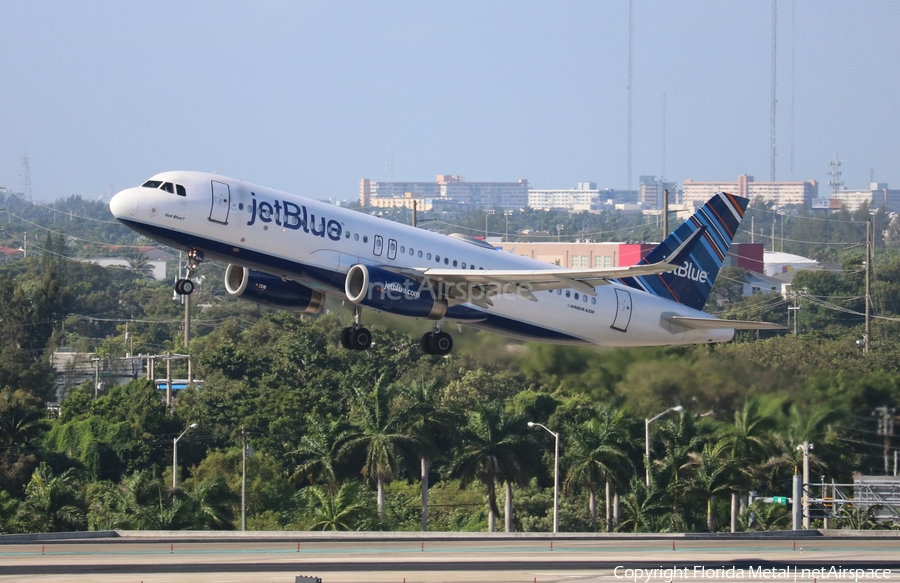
(315, 244)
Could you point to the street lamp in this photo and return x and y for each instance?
(555, 475)
(647, 423)
(175, 455)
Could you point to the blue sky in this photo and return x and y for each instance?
(310, 97)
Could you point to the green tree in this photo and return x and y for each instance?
(53, 503)
(492, 449)
(596, 452)
(319, 455)
(346, 509)
(22, 417)
(433, 424)
(713, 471)
(643, 506)
(381, 435)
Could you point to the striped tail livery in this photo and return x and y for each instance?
(690, 283)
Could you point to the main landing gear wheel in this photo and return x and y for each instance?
(439, 343)
(356, 338)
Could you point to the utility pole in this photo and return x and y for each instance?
(96, 362)
(168, 379)
(868, 332)
(805, 448)
(187, 334)
(415, 204)
(886, 428)
(665, 214)
(243, 479)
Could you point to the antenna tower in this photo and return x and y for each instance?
(834, 171)
(630, 36)
(25, 182)
(774, 53)
(662, 176)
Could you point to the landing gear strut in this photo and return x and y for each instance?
(436, 342)
(356, 337)
(185, 287)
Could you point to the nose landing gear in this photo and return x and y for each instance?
(185, 287)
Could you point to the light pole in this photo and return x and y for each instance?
(806, 447)
(555, 474)
(647, 423)
(175, 455)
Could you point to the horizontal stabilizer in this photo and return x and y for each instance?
(715, 323)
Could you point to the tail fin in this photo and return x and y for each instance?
(691, 283)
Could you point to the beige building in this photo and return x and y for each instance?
(446, 187)
(781, 194)
(578, 199)
(878, 195)
(567, 254)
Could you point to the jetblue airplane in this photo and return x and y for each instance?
(292, 252)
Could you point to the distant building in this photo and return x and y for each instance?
(651, 192)
(447, 187)
(581, 198)
(780, 194)
(878, 195)
(71, 369)
(10, 253)
(566, 254)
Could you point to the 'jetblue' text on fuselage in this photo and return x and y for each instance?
(292, 216)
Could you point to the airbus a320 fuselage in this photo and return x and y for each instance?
(292, 252)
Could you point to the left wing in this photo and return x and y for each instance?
(478, 286)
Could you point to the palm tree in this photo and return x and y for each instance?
(595, 455)
(643, 506)
(9, 507)
(381, 435)
(494, 448)
(320, 451)
(713, 471)
(52, 503)
(139, 263)
(433, 423)
(212, 505)
(749, 436)
(679, 438)
(345, 509)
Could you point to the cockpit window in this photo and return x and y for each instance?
(151, 184)
(179, 190)
(168, 187)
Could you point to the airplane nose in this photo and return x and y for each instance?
(123, 204)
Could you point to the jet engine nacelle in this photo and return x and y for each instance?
(271, 290)
(391, 292)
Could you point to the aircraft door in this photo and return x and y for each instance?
(623, 310)
(221, 202)
(379, 245)
(392, 249)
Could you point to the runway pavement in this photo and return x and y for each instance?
(442, 557)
